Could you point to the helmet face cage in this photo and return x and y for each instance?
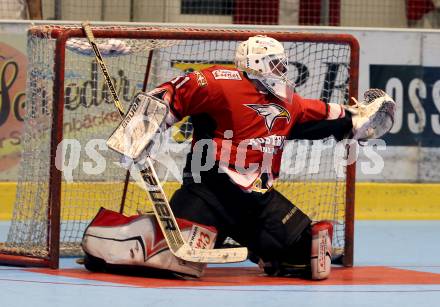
(277, 66)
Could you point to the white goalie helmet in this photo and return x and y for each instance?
(264, 59)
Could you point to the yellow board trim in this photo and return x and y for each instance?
(397, 201)
(7, 199)
(374, 201)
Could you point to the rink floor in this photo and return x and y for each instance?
(397, 263)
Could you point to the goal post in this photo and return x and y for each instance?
(66, 173)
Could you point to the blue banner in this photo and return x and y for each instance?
(416, 90)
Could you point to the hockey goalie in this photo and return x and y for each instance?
(244, 115)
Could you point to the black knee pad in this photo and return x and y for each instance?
(284, 228)
(195, 202)
(190, 206)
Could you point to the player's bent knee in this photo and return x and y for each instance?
(321, 253)
(136, 241)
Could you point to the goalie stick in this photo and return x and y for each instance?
(148, 178)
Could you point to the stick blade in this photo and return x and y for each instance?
(222, 255)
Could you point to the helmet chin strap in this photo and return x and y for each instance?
(260, 86)
(278, 89)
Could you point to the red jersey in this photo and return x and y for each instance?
(250, 126)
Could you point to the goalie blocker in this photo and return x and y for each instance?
(140, 125)
(114, 241)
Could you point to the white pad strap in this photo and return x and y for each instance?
(139, 126)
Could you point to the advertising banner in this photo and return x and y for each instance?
(13, 65)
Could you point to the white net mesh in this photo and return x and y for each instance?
(312, 176)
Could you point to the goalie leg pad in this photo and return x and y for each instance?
(140, 125)
(137, 241)
(321, 253)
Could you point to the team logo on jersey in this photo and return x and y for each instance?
(226, 74)
(201, 80)
(270, 113)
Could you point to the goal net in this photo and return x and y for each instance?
(67, 173)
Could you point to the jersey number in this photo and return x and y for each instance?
(179, 81)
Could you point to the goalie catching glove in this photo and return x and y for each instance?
(373, 117)
(114, 240)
